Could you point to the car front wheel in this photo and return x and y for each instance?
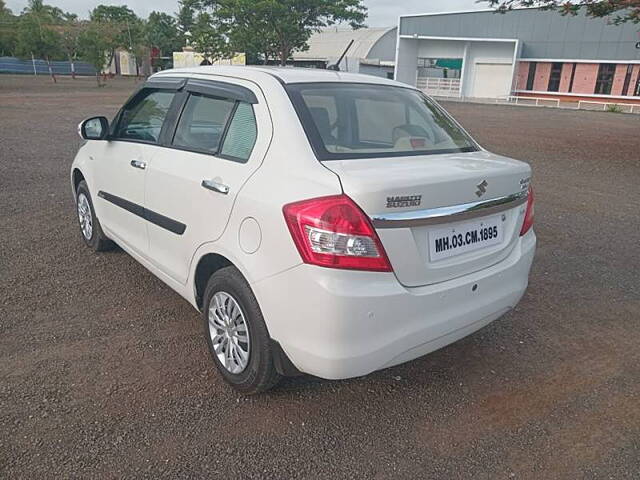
(90, 228)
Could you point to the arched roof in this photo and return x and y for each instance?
(331, 42)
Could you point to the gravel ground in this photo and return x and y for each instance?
(104, 372)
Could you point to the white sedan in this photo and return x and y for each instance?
(323, 222)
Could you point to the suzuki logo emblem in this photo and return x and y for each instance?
(482, 188)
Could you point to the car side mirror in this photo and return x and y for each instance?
(95, 128)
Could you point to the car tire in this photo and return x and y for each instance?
(230, 310)
(90, 228)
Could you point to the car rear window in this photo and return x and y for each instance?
(347, 120)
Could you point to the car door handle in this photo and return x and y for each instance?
(215, 186)
(139, 164)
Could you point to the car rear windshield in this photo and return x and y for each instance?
(349, 120)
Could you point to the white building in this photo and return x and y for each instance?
(372, 51)
(527, 52)
(190, 58)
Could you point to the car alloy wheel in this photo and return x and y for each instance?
(229, 333)
(84, 215)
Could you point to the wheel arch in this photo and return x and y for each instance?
(76, 177)
(207, 265)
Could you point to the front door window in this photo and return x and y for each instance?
(142, 119)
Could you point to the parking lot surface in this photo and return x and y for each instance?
(104, 371)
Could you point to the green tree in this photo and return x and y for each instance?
(96, 40)
(8, 26)
(71, 30)
(622, 10)
(186, 16)
(4, 10)
(277, 28)
(36, 37)
(163, 33)
(257, 37)
(123, 29)
(208, 38)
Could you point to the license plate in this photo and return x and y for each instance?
(465, 237)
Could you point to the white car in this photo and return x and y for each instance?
(327, 223)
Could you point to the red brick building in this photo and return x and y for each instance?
(576, 80)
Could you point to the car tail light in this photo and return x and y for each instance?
(528, 214)
(333, 232)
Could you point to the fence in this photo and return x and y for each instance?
(40, 67)
(531, 101)
(555, 103)
(439, 87)
(609, 106)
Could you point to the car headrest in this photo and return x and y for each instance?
(321, 118)
(409, 131)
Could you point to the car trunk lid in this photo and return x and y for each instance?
(418, 204)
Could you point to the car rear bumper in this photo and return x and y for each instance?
(340, 324)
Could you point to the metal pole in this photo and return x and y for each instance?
(131, 49)
(33, 62)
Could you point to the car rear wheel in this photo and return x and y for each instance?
(90, 228)
(236, 333)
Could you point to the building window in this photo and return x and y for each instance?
(554, 78)
(573, 77)
(637, 92)
(627, 80)
(532, 75)
(604, 82)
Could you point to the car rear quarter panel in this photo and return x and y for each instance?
(290, 172)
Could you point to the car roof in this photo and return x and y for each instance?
(283, 74)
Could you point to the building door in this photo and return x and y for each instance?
(492, 80)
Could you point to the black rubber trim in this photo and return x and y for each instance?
(281, 362)
(278, 78)
(221, 90)
(165, 222)
(172, 118)
(157, 219)
(122, 203)
(168, 83)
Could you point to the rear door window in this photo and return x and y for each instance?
(218, 126)
(202, 123)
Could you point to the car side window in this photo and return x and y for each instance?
(241, 134)
(143, 118)
(202, 123)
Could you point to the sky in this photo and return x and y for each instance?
(382, 13)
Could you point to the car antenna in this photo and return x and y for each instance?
(336, 66)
